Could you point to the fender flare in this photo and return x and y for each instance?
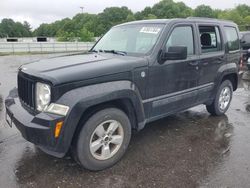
(230, 68)
(223, 71)
(80, 99)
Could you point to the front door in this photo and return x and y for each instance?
(172, 85)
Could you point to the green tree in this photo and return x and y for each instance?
(64, 36)
(69, 36)
(88, 21)
(143, 14)
(113, 16)
(204, 11)
(9, 28)
(43, 30)
(170, 9)
(232, 15)
(243, 10)
(50, 30)
(85, 35)
(27, 27)
(151, 16)
(247, 20)
(130, 18)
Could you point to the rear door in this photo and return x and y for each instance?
(212, 57)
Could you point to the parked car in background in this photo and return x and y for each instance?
(138, 72)
(245, 44)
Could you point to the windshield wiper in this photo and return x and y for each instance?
(110, 51)
(93, 51)
(114, 52)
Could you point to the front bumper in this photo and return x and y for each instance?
(36, 128)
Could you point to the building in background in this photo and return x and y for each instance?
(28, 39)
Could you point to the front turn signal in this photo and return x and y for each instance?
(58, 128)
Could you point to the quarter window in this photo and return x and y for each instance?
(182, 36)
(210, 39)
(232, 38)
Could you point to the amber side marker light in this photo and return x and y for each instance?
(58, 128)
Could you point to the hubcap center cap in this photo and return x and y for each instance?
(106, 139)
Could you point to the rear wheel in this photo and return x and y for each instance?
(222, 99)
(103, 139)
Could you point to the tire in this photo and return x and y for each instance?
(93, 135)
(216, 108)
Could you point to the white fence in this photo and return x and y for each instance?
(13, 47)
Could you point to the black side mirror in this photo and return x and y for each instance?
(175, 53)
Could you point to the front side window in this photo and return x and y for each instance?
(134, 38)
(182, 36)
(210, 39)
(232, 38)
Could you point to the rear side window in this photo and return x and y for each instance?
(182, 36)
(210, 39)
(232, 38)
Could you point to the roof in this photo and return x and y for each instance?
(189, 19)
(245, 32)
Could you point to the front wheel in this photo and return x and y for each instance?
(103, 139)
(222, 99)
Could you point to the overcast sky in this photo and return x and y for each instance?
(47, 11)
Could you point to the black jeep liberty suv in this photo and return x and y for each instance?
(138, 72)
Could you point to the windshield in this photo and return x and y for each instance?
(133, 39)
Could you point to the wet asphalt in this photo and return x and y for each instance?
(189, 149)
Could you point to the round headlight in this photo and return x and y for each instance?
(43, 95)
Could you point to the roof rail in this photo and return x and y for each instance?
(206, 18)
(191, 17)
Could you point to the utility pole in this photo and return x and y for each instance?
(82, 9)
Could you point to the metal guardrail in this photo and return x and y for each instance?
(15, 47)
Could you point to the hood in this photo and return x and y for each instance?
(72, 68)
